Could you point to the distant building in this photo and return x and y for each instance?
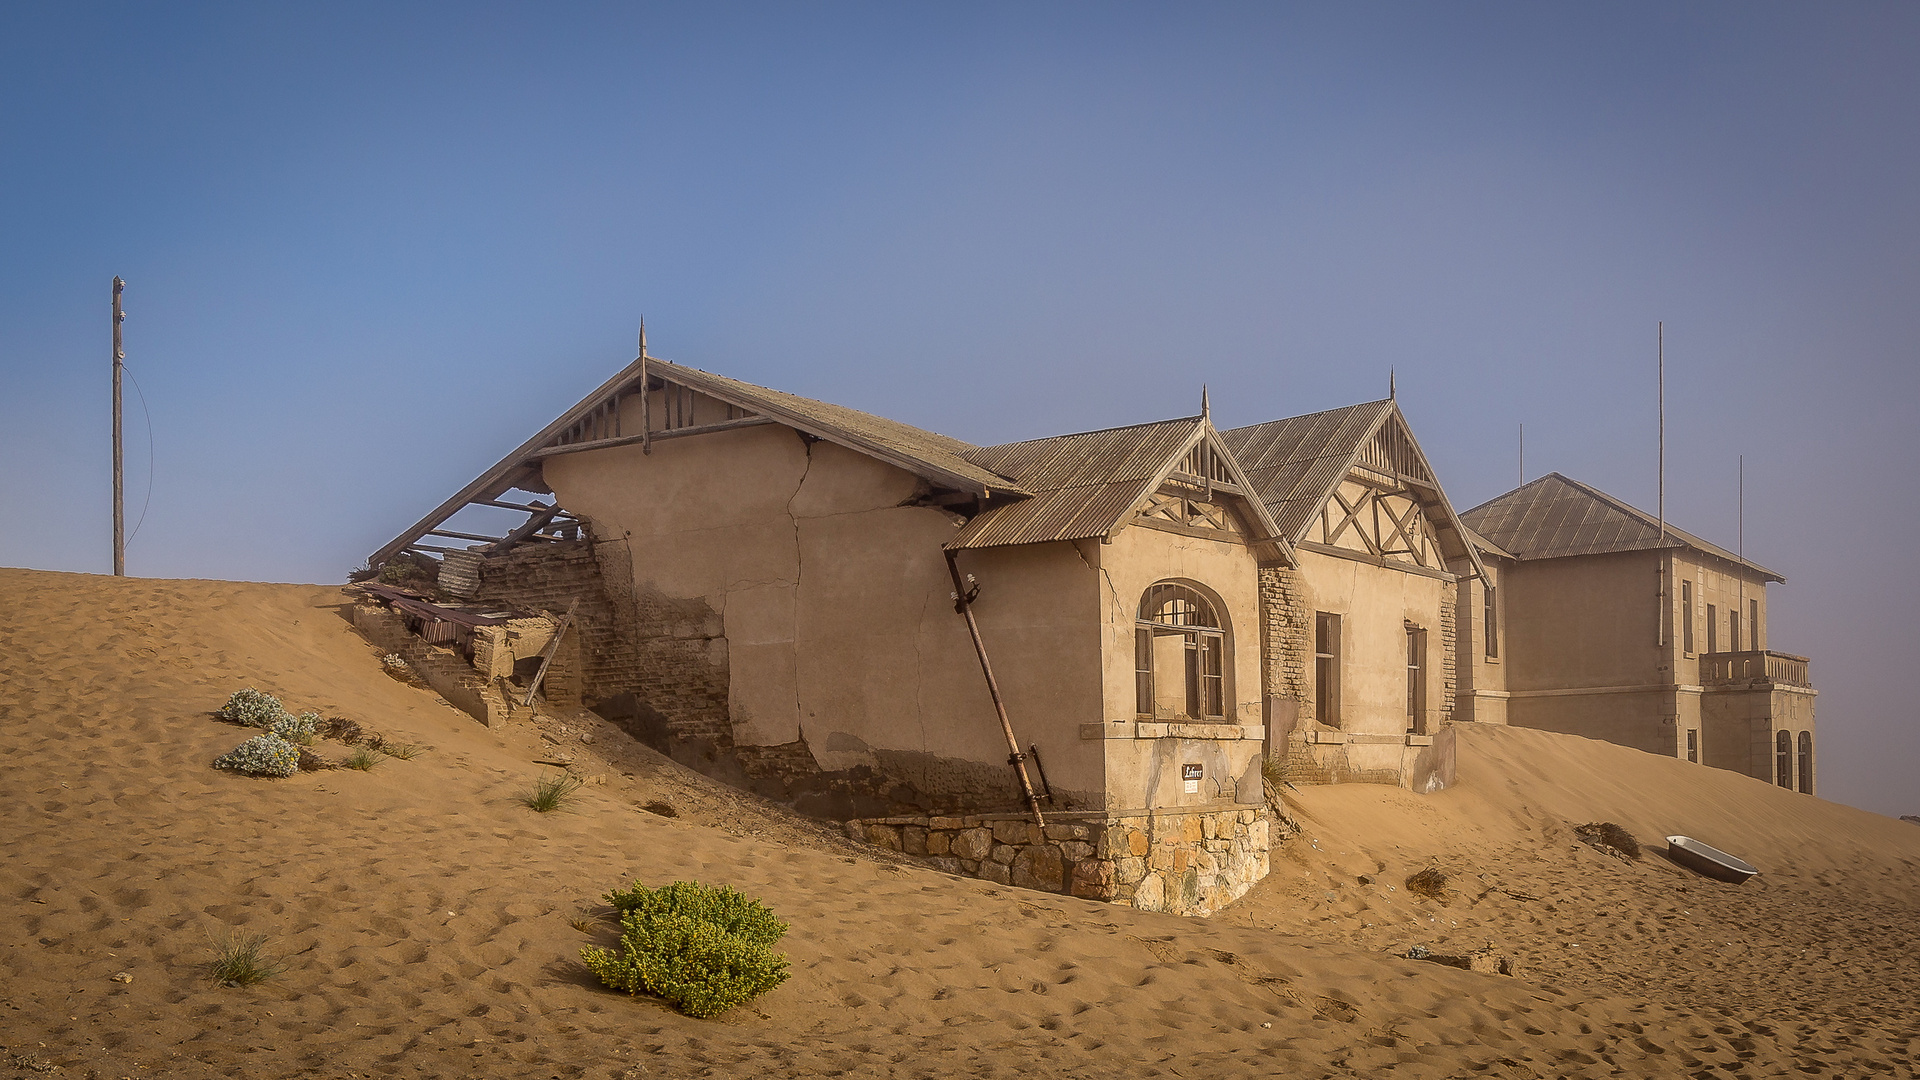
(1592, 622)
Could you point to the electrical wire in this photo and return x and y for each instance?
(144, 411)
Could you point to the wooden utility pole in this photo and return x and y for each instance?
(119, 482)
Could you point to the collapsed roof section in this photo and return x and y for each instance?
(667, 411)
(1557, 516)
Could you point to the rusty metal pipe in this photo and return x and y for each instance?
(1015, 758)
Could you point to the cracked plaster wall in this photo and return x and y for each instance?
(826, 604)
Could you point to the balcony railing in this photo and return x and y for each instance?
(1757, 665)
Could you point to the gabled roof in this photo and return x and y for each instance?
(1556, 516)
(1296, 464)
(1086, 485)
(585, 426)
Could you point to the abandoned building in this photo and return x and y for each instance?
(1598, 619)
(1070, 663)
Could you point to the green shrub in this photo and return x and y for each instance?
(704, 948)
(734, 912)
(252, 708)
(262, 755)
(362, 759)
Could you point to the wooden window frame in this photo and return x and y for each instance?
(1206, 654)
(1490, 615)
(1326, 668)
(1686, 617)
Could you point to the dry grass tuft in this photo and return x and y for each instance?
(1430, 883)
(240, 959)
(1609, 839)
(550, 793)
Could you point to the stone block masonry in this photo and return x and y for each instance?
(1187, 863)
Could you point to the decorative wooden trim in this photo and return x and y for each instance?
(1374, 560)
(656, 436)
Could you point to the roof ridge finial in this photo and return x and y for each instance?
(1206, 413)
(643, 335)
(1392, 393)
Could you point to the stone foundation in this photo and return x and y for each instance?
(1186, 863)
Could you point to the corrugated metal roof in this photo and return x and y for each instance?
(938, 457)
(1294, 464)
(1556, 516)
(1082, 485)
(1485, 545)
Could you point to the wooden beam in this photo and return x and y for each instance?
(553, 650)
(648, 437)
(503, 475)
(1374, 560)
(534, 523)
(462, 536)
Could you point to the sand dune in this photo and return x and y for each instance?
(427, 919)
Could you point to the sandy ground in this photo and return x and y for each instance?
(429, 921)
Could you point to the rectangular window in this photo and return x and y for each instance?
(1143, 671)
(1492, 621)
(1733, 629)
(1713, 629)
(1326, 669)
(1693, 744)
(1416, 680)
(1753, 623)
(1686, 617)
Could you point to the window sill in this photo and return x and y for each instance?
(1149, 729)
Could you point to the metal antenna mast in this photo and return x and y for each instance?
(646, 401)
(1523, 455)
(119, 484)
(1661, 329)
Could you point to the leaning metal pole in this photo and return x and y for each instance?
(1016, 759)
(119, 485)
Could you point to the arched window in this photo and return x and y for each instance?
(1783, 763)
(1180, 654)
(1806, 762)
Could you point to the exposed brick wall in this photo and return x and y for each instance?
(1286, 648)
(662, 652)
(657, 665)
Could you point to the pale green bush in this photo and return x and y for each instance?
(295, 729)
(252, 708)
(262, 755)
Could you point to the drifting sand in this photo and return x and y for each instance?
(426, 918)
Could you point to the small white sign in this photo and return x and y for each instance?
(1191, 773)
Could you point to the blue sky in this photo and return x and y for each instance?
(370, 249)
